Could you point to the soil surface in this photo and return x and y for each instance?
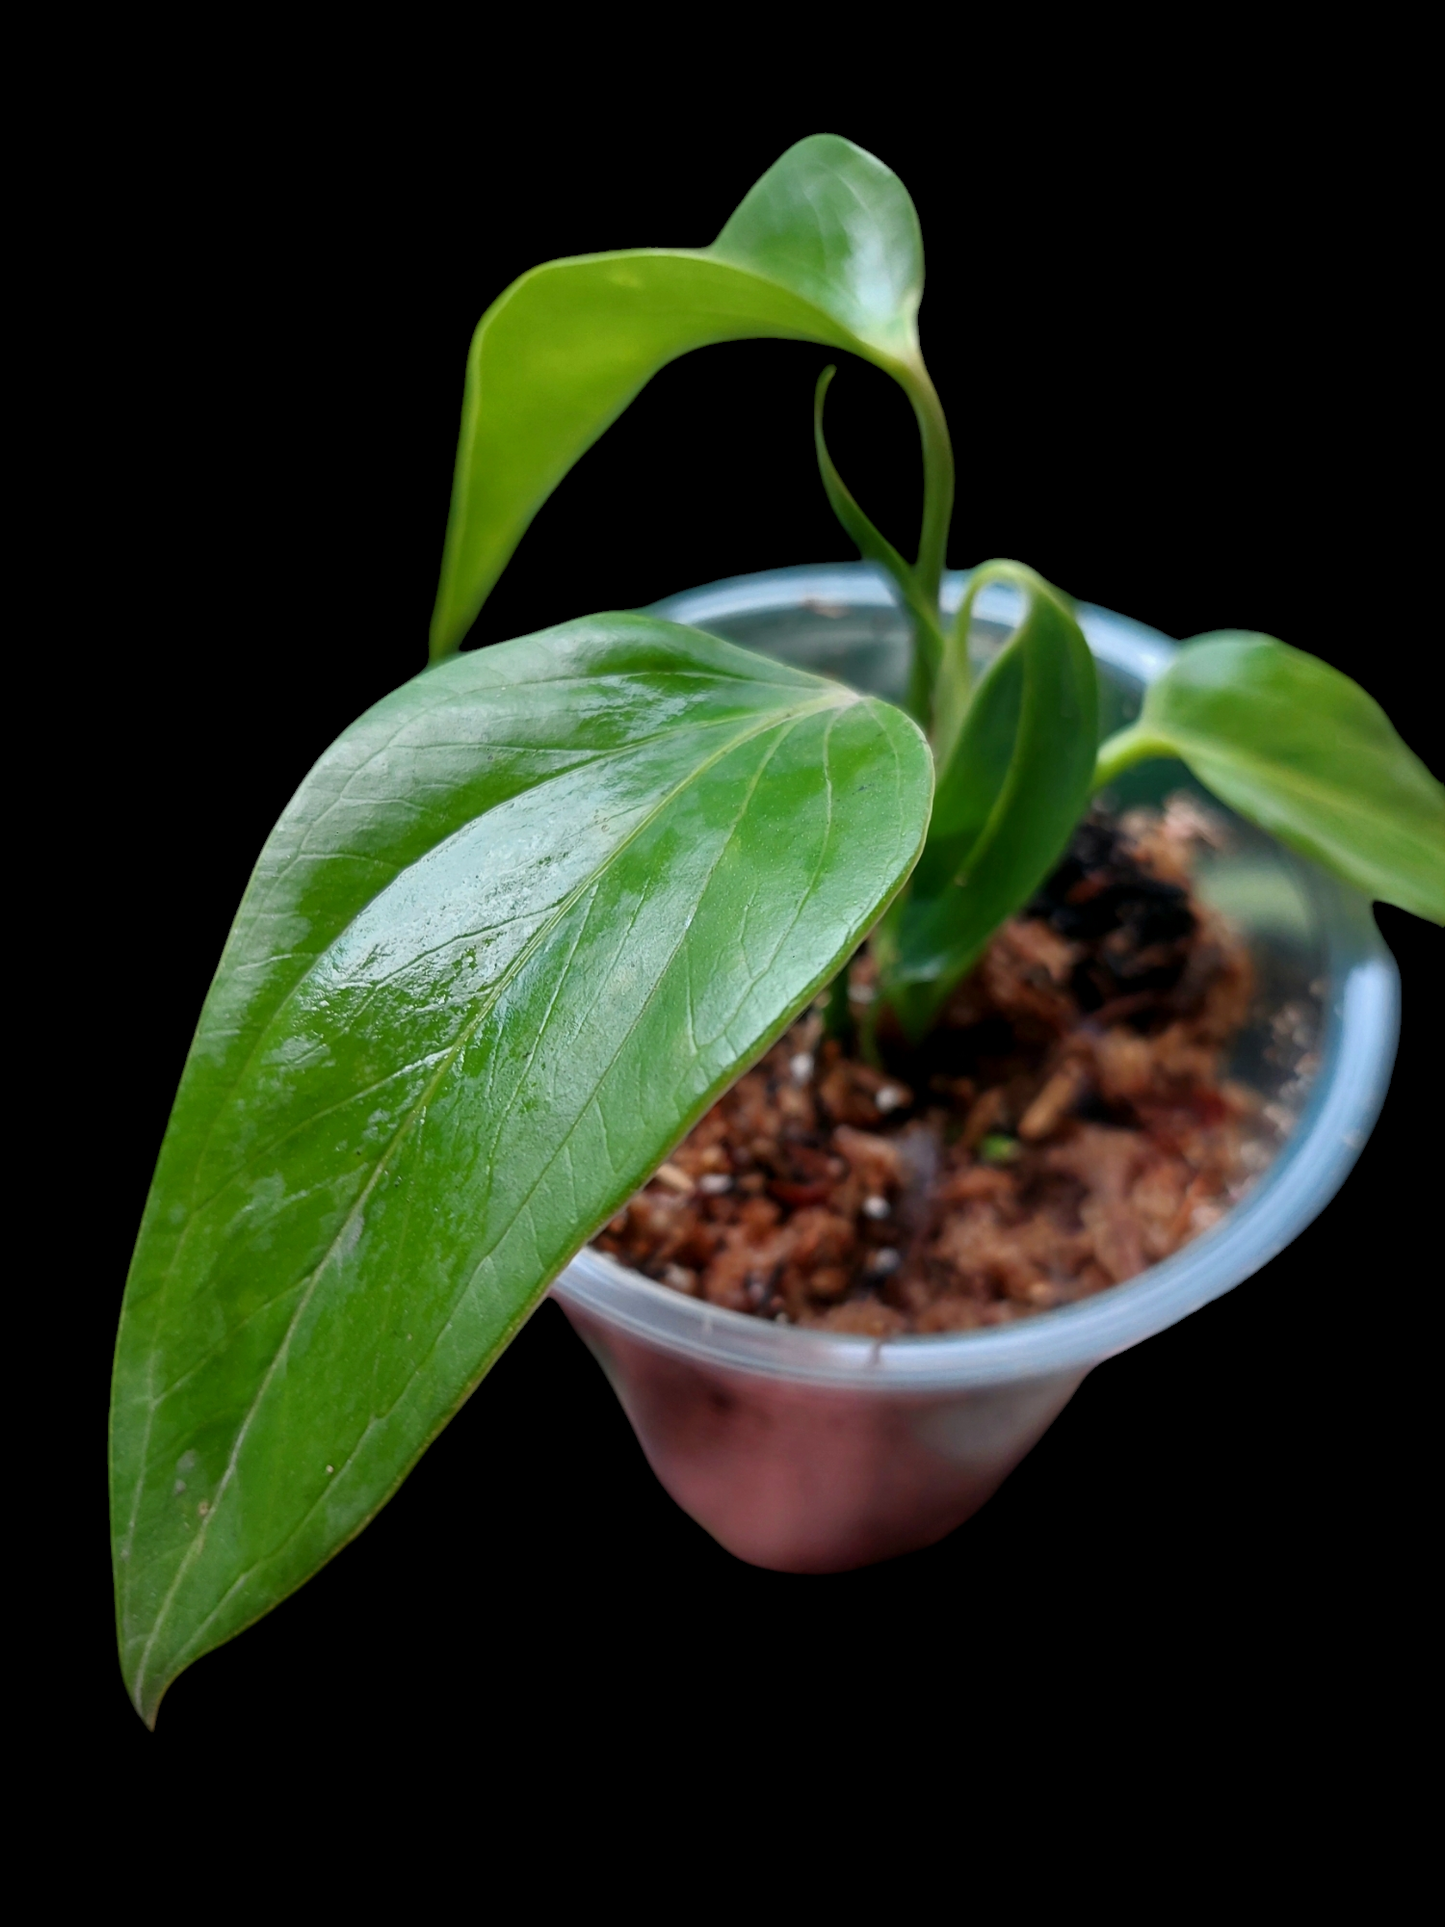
(1065, 1125)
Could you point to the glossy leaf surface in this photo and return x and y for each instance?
(1015, 762)
(518, 928)
(825, 248)
(1301, 750)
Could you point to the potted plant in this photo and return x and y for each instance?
(536, 912)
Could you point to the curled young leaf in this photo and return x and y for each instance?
(1301, 750)
(824, 248)
(519, 927)
(1015, 762)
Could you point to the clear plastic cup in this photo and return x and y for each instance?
(810, 1451)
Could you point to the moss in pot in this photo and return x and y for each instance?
(537, 911)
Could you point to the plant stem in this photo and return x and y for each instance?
(937, 484)
(933, 536)
(928, 644)
(1125, 748)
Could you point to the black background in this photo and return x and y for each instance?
(1179, 345)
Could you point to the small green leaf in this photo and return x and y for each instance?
(1014, 771)
(1301, 750)
(824, 248)
(519, 927)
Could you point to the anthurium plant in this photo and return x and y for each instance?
(530, 915)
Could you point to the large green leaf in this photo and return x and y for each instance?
(1301, 750)
(824, 248)
(519, 927)
(1015, 760)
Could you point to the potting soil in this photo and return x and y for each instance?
(1066, 1124)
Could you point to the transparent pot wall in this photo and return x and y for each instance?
(805, 1476)
(808, 1451)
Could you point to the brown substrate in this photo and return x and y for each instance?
(1064, 1126)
